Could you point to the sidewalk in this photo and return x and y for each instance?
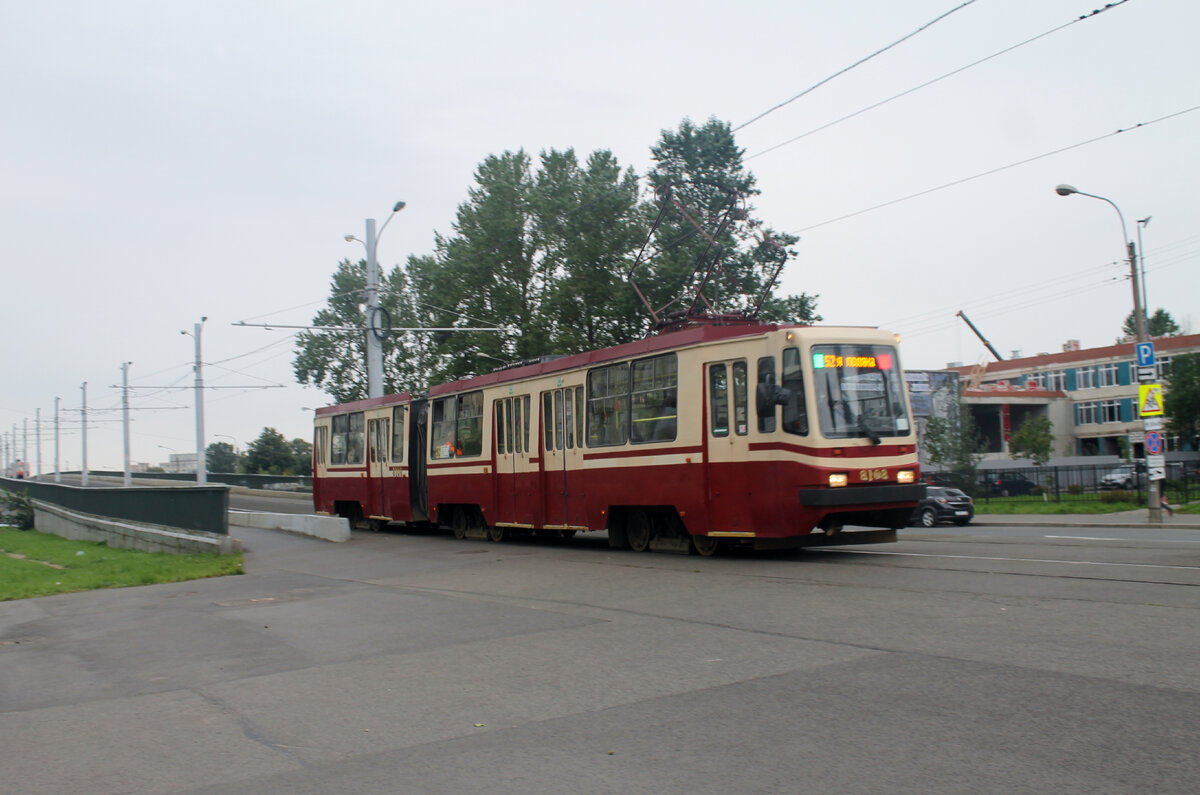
(1138, 518)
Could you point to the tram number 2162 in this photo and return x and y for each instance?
(868, 475)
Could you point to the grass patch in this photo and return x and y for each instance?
(1024, 505)
(50, 564)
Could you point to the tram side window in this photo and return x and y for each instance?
(470, 424)
(766, 383)
(522, 430)
(320, 445)
(398, 434)
(795, 411)
(457, 426)
(569, 418)
(655, 384)
(443, 422)
(347, 435)
(741, 420)
(379, 438)
(608, 405)
(511, 424)
(547, 420)
(579, 412)
(718, 395)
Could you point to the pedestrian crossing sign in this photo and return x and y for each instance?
(1150, 400)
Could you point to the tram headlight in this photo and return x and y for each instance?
(838, 480)
(906, 476)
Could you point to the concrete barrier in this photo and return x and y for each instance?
(50, 518)
(328, 528)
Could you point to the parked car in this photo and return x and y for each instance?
(943, 505)
(1008, 484)
(1123, 477)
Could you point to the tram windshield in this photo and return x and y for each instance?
(859, 391)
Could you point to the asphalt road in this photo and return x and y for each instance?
(957, 660)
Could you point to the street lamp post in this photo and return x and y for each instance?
(1139, 317)
(201, 470)
(374, 336)
(1143, 222)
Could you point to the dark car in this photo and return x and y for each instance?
(1008, 484)
(943, 505)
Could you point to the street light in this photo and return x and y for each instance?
(1143, 222)
(374, 337)
(1139, 319)
(201, 470)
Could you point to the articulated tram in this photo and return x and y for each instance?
(711, 435)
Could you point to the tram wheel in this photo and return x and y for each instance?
(497, 534)
(460, 524)
(638, 530)
(565, 534)
(706, 545)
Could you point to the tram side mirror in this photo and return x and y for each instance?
(769, 395)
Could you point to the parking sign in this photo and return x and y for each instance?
(1145, 354)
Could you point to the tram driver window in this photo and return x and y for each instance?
(765, 395)
(795, 411)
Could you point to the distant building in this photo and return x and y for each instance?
(180, 462)
(933, 393)
(1089, 395)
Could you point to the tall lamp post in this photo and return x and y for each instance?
(201, 469)
(1139, 316)
(374, 334)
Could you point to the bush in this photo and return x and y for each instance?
(1119, 495)
(1075, 488)
(16, 508)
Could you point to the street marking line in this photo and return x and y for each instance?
(1020, 560)
(1127, 540)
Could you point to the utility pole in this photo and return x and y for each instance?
(125, 419)
(57, 471)
(37, 439)
(83, 473)
(374, 333)
(201, 473)
(374, 344)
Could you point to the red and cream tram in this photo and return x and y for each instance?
(752, 433)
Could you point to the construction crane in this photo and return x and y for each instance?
(982, 338)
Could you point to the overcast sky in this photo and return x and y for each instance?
(164, 161)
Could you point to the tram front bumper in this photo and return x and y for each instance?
(862, 496)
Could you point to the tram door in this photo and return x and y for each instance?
(727, 429)
(515, 474)
(562, 458)
(377, 467)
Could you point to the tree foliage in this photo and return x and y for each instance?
(954, 443)
(1182, 401)
(541, 251)
(1033, 440)
(701, 167)
(1160, 324)
(272, 454)
(221, 457)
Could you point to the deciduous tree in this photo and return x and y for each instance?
(1182, 399)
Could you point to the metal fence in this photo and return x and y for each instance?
(1099, 483)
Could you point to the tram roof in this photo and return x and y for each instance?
(683, 338)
